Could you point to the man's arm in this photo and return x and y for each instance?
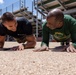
(73, 31)
(31, 42)
(45, 39)
(45, 35)
(2, 40)
(72, 28)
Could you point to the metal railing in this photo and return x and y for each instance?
(11, 8)
(29, 4)
(17, 6)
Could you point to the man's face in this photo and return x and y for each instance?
(52, 23)
(10, 25)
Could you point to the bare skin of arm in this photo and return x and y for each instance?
(31, 42)
(2, 40)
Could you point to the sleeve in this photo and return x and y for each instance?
(45, 35)
(73, 31)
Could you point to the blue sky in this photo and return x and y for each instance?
(4, 3)
(8, 3)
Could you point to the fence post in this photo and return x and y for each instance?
(37, 22)
(0, 12)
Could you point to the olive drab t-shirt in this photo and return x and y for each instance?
(24, 27)
(68, 30)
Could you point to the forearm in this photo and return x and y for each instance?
(29, 44)
(1, 44)
(45, 40)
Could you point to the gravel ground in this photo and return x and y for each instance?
(27, 62)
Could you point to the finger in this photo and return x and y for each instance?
(74, 50)
(71, 49)
(47, 49)
(21, 47)
(68, 50)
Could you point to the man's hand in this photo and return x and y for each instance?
(20, 47)
(43, 48)
(70, 48)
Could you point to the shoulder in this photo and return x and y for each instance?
(44, 24)
(22, 19)
(69, 20)
(68, 17)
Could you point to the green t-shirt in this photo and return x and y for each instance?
(68, 30)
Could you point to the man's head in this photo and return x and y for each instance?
(8, 20)
(55, 19)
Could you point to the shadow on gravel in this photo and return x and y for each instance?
(7, 49)
(58, 49)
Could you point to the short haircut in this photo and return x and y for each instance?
(56, 13)
(7, 16)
